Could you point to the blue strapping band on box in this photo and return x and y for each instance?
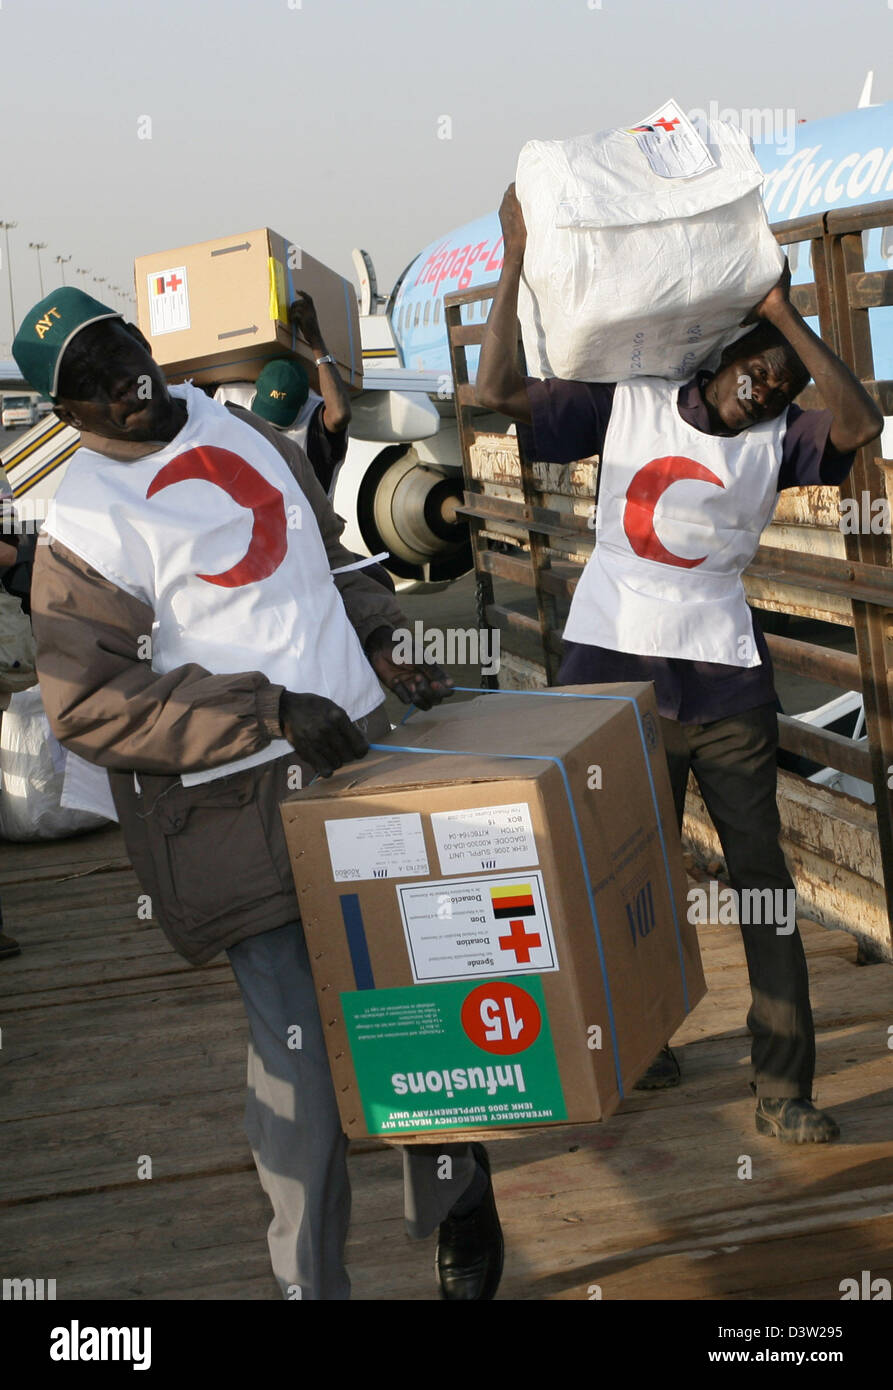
(551, 758)
(356, 941)
(630, 700)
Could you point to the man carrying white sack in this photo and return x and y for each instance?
(196, 638)
(671, 608)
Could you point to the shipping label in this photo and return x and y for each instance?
(461, 927)
(454, 1056)
(484, 837)
(168, 301)
(363, 847)
(670, 143)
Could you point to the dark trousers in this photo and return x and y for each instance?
(733, 761)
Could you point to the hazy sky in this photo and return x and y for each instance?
(321, 118)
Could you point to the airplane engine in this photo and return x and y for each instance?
(402, 498)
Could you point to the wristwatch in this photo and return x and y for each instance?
(328, 358)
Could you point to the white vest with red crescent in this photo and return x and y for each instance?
(679, 517)
(215, 535)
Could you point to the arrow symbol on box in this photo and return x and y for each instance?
(237, 332)
(225, 250)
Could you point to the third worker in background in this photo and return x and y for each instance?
(282, 396)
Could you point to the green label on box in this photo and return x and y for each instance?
(454, 1056)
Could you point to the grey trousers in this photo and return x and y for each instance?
(733, 761)
(292, 1122)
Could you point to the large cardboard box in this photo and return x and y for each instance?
(217, 311)
(497, 933)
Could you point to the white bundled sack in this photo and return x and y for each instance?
(633, 272)
(32, 771)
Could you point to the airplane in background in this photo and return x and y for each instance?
(401, 482)
(837, 162)
(10, 376)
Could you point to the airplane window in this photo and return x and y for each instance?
(427, 313)
(437, 312)
(415, 321)
(793, 255)
(887, 243)
(866, 244)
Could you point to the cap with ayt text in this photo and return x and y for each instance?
(48, 328)
(282, 388)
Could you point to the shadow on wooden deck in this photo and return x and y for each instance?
(114, 1049)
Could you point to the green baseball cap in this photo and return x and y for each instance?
(282, 388)
(48, 328)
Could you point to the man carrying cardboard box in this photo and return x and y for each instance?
(672, 608)
(317, 424)
(281, 395)
(196, 638)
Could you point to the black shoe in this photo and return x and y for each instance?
(663, 1072)
(469, 1256)
(795, 1120)
(8, 947)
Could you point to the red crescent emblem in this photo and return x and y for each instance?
(237, 478)
(643, 495)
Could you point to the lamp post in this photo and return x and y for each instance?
(39, 246)
(12, 313)
(62, 262)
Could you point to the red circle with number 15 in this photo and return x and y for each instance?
(501, 1018)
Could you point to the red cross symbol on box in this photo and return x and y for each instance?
(667, 125)
(174, 282)
(520, 942)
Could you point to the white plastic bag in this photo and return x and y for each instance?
(32, 768)
(627, 273)
(86, 787)
(17, 671)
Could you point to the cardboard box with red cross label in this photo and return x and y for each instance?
(494, 902)
(217, 311)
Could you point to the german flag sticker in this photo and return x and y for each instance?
(513, 900)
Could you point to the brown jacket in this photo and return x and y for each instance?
(212, 857)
